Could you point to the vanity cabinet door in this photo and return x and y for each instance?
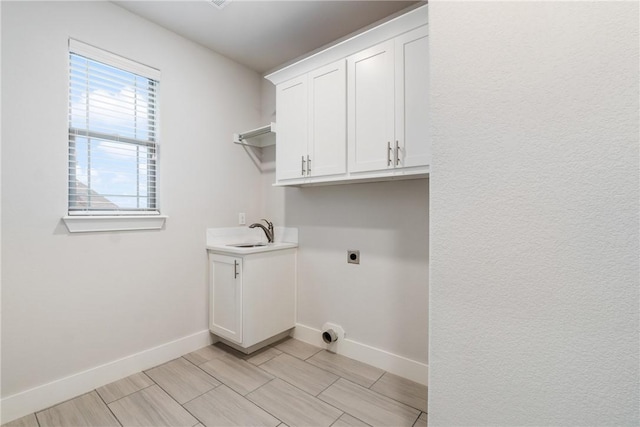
(225, 296)
(269, 289)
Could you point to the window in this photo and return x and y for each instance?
(113, 122)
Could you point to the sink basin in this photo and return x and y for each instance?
(246, 248)
(248, 245)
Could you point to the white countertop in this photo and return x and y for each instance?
(219, 239)
(244, 251)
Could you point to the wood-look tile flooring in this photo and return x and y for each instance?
(290, 383)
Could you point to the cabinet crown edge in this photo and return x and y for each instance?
(406, 22)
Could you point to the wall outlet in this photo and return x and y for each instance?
(353, 257)
(242, 218)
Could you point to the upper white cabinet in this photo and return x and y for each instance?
(327, 121)
(291, 138)
(371, 109)
(364, 116)
(411, 100)
(311, 138)
(388, 117)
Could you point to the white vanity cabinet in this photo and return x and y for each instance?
(381, 77)
(387, 104)
(251, 297)
(311, 138)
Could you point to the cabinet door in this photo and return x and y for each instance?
(328, 120)
(412, 85)
(225, 297)
(291, 137)
(269, 289)
(370, 108)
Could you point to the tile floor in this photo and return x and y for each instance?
(290, 383)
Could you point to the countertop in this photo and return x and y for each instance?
(219, 239)
(276, 246)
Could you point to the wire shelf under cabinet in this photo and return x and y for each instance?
(259, 138)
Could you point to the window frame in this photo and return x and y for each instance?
(124, 219)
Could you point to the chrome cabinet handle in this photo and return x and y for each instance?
(302, 171)
(388, 153)
(308, 165)
(397, 153)
(235, 269)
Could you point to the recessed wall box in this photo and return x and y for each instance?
(353, 257)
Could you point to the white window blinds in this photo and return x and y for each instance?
(113, 122)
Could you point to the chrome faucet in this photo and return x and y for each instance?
(268, 231)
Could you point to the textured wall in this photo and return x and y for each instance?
(73, 302)
(534, 214)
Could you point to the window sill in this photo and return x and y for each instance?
(88, 223)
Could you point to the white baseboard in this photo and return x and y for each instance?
(398, 365)
(44, 396)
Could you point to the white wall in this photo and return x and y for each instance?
(534, 214)
(273, 197)
(73, 302)
(383, 301)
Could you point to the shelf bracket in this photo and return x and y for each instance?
(263, 137)
(257, 138)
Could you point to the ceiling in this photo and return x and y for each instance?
(264, 34)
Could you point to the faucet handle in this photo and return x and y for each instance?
(270, 224)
